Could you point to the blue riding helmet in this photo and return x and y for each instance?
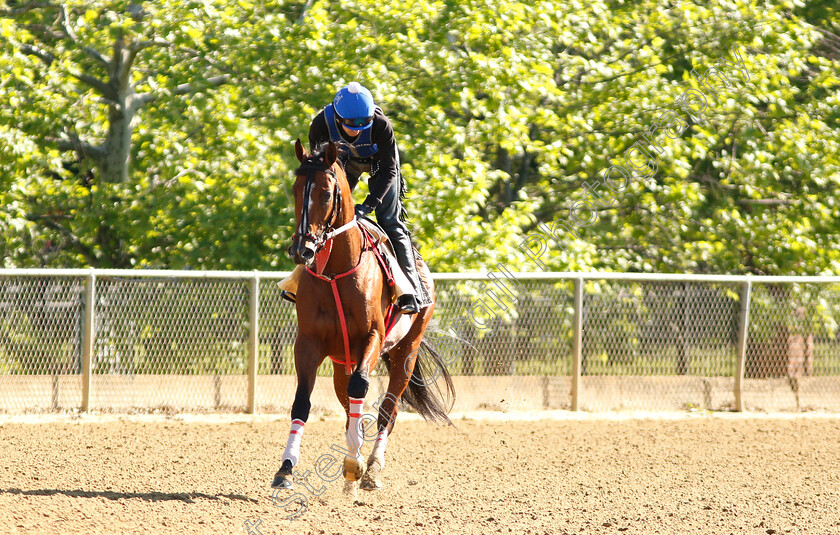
(354, 107)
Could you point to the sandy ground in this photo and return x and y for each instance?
(703, 473)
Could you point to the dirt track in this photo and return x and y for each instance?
(694, 475)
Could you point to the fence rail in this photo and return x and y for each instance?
(217, 340)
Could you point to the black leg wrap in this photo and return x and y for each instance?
(357, 387)
(301, 406)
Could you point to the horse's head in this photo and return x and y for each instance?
(321, 195)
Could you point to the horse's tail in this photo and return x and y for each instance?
(424, 393)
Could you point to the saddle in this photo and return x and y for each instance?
(393, 273)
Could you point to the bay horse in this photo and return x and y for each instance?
(343, 305)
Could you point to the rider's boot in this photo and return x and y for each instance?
(407, 303)
(289, 285)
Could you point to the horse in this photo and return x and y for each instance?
(343, 313)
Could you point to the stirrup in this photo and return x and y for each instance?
(407, 304)
(288, 296)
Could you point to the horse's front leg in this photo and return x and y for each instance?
(308, 357)
(357, 387)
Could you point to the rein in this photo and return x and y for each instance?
(327, 236)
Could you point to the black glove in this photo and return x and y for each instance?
(363, 210)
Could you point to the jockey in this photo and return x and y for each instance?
(366, 144)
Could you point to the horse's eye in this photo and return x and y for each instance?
(325, 198)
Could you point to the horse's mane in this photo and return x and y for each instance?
(320, 150)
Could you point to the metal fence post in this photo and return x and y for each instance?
(87, 340)
(577, 339)
(253, 343)
(743, 327)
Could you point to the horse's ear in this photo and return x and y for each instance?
(299, 151)
(331, 154)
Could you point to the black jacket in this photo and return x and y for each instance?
(386, 173)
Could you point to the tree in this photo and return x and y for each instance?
(91, 80)
(507, 114)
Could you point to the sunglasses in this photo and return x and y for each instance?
(356, 123)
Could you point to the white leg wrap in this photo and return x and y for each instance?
(379, 447)
(354, 429)
(292, 451)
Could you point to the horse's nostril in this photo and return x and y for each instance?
(307, 253)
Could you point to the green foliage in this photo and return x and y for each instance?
(502, 109)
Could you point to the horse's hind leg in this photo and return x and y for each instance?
(402, 365)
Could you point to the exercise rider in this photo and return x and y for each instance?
(366, 143)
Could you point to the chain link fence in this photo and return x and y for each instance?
(649, 344)
(110, 340)
(41, 331)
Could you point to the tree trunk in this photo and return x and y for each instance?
(116, 163)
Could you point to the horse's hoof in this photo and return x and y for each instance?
(354, 468)
(372, 480)
(280, 482)
(280, 478)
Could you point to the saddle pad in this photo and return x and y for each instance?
(424, 297)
